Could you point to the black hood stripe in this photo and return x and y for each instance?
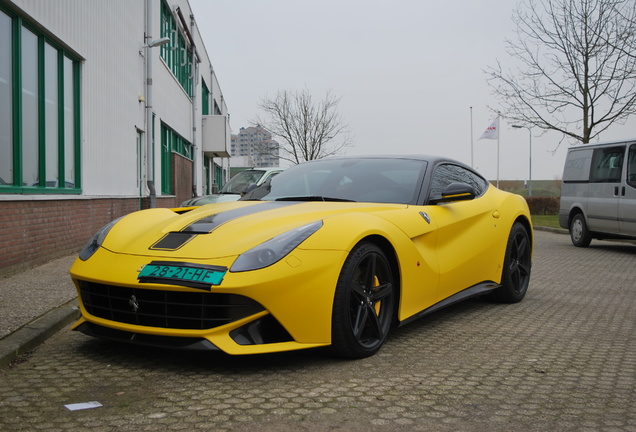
(174, 240)
(210, 223)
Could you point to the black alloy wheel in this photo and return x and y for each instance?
(364, 303)
(517, 265)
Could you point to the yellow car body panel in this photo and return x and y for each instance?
(472, 239)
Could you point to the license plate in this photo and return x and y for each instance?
(197, 274)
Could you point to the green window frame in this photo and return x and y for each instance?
(205, 99)
(39, 111)
(171, 142)
(218, 176)
(177, 53)
(213, 174)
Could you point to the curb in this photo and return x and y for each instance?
(552, 230)
(37, 331)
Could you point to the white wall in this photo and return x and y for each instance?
(108, 36)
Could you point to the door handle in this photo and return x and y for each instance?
(615, 191)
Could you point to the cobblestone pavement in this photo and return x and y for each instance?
(564, 359)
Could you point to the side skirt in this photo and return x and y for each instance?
(474, 291)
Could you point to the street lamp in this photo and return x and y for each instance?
(530, 158)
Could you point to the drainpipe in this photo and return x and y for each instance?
(149, 130)
(195, 79)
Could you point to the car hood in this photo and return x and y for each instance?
(223, 229)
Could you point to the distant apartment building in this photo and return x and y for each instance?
(106, 107)
(256, 146)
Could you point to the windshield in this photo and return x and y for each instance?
(362, 180)
(241, 181)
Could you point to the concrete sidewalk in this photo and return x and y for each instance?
(34, 304)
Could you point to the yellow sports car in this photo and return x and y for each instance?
(332, 252)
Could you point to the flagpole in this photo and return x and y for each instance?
(498, 137)
(472, 165)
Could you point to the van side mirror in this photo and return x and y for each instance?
(456, 192)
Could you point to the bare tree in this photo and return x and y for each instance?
(577, 72)
(309, 130)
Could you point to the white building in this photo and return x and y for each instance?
(255, 144)
(105, 107)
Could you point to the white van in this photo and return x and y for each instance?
(598, 195)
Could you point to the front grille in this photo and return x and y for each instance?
(166, 309)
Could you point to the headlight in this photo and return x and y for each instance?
(97, 240)
(275, 249)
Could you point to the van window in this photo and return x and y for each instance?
(577, 166)
(607, 165)
(631, 166)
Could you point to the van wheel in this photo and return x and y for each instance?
(579, 234)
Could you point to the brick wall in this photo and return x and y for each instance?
(181, 178)
(34, 232)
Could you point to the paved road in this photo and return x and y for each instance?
(562, 360)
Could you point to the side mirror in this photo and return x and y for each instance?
(456, 192)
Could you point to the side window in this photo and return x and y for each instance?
(448, 173)
(607, 165)
(631, 166)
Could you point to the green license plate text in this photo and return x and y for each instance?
(183, 273)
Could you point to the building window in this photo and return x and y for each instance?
(6, 100)
(39, 112)
(171, 142)
(177, 54)
(205, 99)
(217, 110)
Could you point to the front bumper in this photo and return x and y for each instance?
(283, 307)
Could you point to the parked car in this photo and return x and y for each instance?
(236, 186)
(598, 195)
(333, 252)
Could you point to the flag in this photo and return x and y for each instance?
(492, 131)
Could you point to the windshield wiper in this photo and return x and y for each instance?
(313, 198)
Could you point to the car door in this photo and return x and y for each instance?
(627, 200)
(605, 189)
(467, 233)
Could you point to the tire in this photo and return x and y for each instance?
(364, 303)
(579, 234)
(515, 277)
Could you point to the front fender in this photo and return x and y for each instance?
(411, 236)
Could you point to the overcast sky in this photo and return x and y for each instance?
(408, 73)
